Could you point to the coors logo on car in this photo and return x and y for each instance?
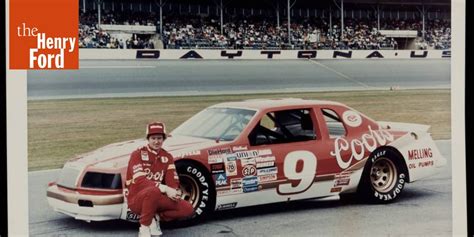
(352, 118)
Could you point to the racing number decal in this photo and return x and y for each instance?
(305, 176)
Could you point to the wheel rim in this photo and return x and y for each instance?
(190, 189)
(383, 175)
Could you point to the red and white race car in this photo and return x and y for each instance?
(254, 152)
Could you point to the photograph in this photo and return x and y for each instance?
(244, 118)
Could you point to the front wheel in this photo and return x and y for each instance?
(198, 189)
(384, 177)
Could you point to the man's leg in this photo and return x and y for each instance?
(146, 203)
(171, 210)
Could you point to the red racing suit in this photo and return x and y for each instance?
(146, 169)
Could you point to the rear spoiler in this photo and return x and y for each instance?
(408, 127)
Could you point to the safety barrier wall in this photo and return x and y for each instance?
(176, 54)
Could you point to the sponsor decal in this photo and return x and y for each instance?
(158, 176)
(264, 152)
(137, 168)
(229, 192)
(265, 159)
(246, 154)
(164, 159)
(217, 168)
(250, 189)
(239, 148)
(132, 216)
(267, 178)
(221, 179)
(226, 206)
(265, 171)
(265, 164)
(249, 181)
(247, 161)
(420, 154)
(189, 153)
(231, 168)
(249, 170)
(219, 151)
(340, 181)
(205, 193)
(352, 118)
(231, 158)
(336, 189)
(425, 164)
(368, 141)
(215, 159)
(235, 183)
(145, 156)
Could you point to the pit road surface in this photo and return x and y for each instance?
(130, 78)
(423, 209)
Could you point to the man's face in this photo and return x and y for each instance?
(155, 141)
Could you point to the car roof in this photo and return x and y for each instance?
(261, 104)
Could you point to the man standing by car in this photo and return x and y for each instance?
(153, 184)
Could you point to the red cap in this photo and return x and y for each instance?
(155, 128)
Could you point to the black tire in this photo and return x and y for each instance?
(384, 177)
(198, 188)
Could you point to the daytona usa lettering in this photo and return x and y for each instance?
(368, 141)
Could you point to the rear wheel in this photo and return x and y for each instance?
(384, 177)
(198, 189)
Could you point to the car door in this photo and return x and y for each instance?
(289, 147)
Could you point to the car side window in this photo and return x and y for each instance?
(283, 127)
(334, 124)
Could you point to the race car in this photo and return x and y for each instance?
(254, 152)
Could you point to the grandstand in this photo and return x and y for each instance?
(268, 24)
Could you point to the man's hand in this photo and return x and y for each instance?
(173, 194)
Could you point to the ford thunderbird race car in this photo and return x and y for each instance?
(254, 152)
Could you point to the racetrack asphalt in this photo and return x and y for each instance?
(424, 209)
(130, 78)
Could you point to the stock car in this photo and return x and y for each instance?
(253, 152)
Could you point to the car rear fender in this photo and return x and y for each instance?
(420, 153)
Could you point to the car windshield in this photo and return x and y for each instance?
(223, 124)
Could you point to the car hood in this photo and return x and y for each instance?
(116, 155)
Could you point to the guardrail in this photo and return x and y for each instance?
(182, 54)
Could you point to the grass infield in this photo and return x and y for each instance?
(60, 129)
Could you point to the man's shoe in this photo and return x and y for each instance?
(144, 231)
(155, 226)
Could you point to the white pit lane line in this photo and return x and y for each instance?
(341, 74)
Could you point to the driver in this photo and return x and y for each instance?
(153, 184)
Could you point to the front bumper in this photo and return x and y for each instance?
(98, 208)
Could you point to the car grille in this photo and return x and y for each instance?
(68, 177)
(102, 180)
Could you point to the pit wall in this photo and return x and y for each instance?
(176, 54)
